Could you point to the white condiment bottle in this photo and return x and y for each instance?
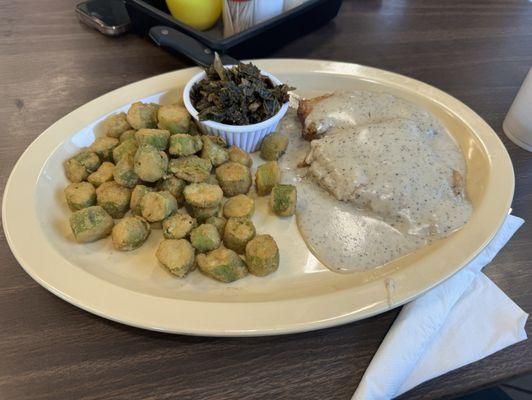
(518, 122)
(266, 9)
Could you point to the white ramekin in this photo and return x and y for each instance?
(247, 137)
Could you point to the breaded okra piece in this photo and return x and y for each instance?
(273, 146)
(90, 224)
(113, 198)
(124, 172)
(136, 196)
(218, 222)
(222, 264)
(283, 200)
(80, 195)
(129, 134)
(128, 147)
(174, 118)
(177, 256)
(115, 125)
(205, 238)
(262, 255)
(191, 169)
(104, 146)
(182, 145)
(156, 206)
(157, 138)
(239, 206)
(102, 174)
(266, 177)
(130, 233)
(213, 152)
(150, 163)
(234, 178)
(238, 155)
(178, 225)
(201, 214)
(203, 195)
(173, 185)
(141, 115)
(79, 167)
(237, 233)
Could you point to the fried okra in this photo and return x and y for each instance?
(191, 169)
(234, 178)
(90, 224)
(124, 172)
(203, 195)
(239, 206)
(174, 118)
(79, 167)
(177, 256)
(129, 147)
(130, 233)
(213, 152)
(266, 177)
(173, 185)
(102, 174)
(156, 206)
(115, 125)
(129, 134)
(222, 264)
(157, 138)
(273, 146)
(141, 115)
(220, 141)
(238, 155)
(205, 238)
(80, 195)
(113, 198)
(104, 146)
(218, 222)
(182, 145)
(262, 255)
(178, 225)
(136, 196)
(201, 214)
(283, 200)
(150, 163)
(237, 233)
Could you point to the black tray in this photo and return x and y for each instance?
(257, 41)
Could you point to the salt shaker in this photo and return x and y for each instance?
(518, 122)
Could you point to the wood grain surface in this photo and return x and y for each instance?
(50, 64)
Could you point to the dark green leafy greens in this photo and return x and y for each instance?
(240, 95)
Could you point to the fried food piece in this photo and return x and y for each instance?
(262, 255)
(104, 146)
(177, 256)
(178, 225)
(80, 195)
(239, 206)
(222, 264)
(238, 155)
(201, 214)
(130, 233)
(266, 177)
(113, 198)
(102, 174)
(129, 134)
(173, 185)
(203, 195)
(116, 124)
(305, 108)
(283, 200)
(157, 138)
(218, 222)
(237, 233)
(156, 206)
(191, 169)
(142, 115)
(234, 178)
(128, 147)
(213, 152)
(136, 196)
(124, 172)
(79, 167)
(205, 238)
(90, 224)
(150, 163)
(174, 118)
(273, 146)
(183, 144)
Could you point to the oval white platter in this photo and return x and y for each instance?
(303, 295)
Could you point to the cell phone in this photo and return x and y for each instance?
(110, 17)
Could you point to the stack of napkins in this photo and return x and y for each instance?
(462, 320)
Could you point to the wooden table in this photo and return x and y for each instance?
(50, 65)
